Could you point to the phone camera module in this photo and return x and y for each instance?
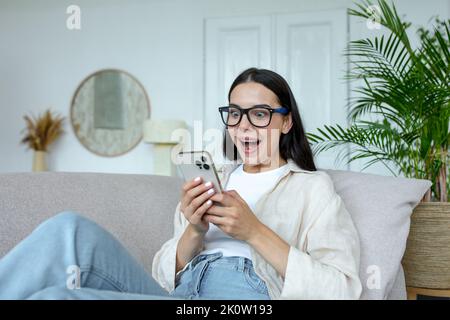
(198, 164)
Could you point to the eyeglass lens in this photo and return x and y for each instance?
(257, 116)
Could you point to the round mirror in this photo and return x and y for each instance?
(108, 111)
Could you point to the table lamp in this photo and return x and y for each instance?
(159, 133)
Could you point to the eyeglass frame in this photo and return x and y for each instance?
(282, 110)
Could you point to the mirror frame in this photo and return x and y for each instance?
(72, 106)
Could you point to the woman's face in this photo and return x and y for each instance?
(265, 154)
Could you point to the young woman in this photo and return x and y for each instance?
(279, 231)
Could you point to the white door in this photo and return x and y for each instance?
(305, 48)
(309, 54)
(231, 46)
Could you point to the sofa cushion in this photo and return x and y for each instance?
(381, 208)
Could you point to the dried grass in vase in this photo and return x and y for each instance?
(42, 131)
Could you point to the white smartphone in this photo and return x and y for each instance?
(194, 164)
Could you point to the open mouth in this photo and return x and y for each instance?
(250, 145)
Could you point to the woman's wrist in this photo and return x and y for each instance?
(190, 244)
(271, 247)
(256, 234)
(196, 232)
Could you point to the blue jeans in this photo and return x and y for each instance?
(44, 265)
(215, 277)
(71, 257)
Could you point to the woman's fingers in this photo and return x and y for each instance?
(218, 221)
(191, 183)
(198, 214)
(193, 189)
(199, 200)
(197, 190)
(224, 199)
(188, 185)
(196, 198)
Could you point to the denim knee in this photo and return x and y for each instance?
(65, 219)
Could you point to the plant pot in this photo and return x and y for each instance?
(39, 161)
(427, 257)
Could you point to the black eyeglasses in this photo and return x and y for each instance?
(259, 115)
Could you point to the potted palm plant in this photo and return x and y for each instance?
(399, 116)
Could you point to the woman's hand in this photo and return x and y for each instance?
(194, 203)
(233, 216)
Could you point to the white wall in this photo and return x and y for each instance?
(159, 41)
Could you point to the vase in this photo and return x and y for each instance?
(39, 161)
(427, 257)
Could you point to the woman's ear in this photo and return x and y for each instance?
(287, 123)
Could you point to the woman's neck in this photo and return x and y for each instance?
(264, 167)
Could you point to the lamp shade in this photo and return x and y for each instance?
(160, 131)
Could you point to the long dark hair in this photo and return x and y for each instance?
(293, 145)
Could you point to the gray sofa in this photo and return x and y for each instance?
(137, 209)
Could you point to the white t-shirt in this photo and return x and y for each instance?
(250, 186)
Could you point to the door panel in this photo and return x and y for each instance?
(309, 53)
(232, 45)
